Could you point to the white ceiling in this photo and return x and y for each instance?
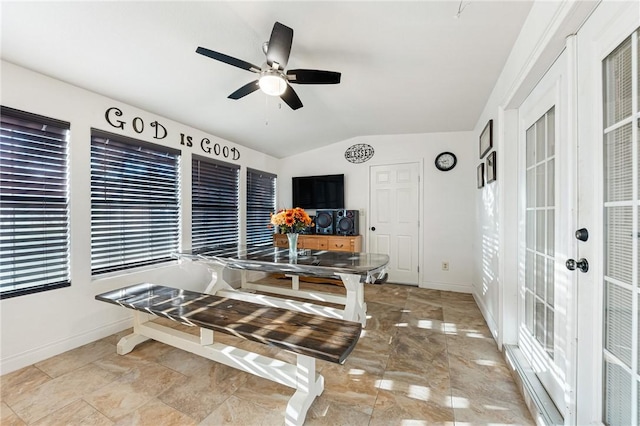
(407, 67)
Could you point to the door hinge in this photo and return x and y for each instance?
(418, 268)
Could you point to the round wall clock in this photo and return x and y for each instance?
(446, 161)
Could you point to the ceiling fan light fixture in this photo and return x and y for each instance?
(272, 84)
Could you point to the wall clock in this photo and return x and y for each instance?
(446, 161)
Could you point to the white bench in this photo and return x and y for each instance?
(307, 335)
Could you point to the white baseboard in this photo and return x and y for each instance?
(457, 288)
(493, 327)
(24, 359)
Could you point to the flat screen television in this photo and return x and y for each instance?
(318, 192)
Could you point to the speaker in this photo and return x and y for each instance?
(346, 222)
(311, 229)
(324, 222)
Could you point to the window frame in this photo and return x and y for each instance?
(157, 168)
(251, 222)
(223, 200)
(49, 183)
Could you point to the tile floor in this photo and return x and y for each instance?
(425, 357)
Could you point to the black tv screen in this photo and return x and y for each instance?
(318, 192)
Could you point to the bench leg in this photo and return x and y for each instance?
(309, 386)
(217, 282)
(355, 309)
(127, 343)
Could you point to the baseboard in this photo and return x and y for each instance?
(24, 359)
(493, 327)
(542, 408)
(457, 288)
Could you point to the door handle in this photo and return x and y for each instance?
(373, 228)
(581, 264)
(582, 234)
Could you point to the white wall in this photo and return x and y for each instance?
(448, 198)
(37, 326)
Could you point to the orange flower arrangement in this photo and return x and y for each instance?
(290, 220)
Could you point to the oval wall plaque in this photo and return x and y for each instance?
(359, 153)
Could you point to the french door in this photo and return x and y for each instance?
(545, 215)
(608, 200)
(579, 321)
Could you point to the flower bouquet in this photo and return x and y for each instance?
(290, 221)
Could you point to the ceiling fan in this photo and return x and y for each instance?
(273, 79)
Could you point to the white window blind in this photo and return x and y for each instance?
(214, 198)
(34, 222)
(135, 202)
(261, 202)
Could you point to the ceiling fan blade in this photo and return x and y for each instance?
(290, 97)
(244, 90)
(279, 46)
(313, 77)
(228, 59)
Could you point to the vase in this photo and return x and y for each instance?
(293, 245)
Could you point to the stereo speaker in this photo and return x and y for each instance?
(346, 222)
(311, 229)
(324, 222)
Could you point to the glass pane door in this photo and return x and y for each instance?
(621, 234)
(540, 235)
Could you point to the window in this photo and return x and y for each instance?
(134, 202)
(34, 221)
(261, 202)
(214, 217)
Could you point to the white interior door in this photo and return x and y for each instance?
(394, 218)
(608, 160)
(545, 214)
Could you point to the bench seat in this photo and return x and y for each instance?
(320, 337)
(307, 335)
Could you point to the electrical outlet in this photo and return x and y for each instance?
(445, 266)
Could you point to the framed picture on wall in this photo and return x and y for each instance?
(491, 167)
(480, 175)
(486, 139)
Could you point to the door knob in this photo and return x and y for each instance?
(373, 228)
(582, 234)
(581, 264)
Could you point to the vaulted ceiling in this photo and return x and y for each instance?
(407, 67)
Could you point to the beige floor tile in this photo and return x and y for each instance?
(355, 387)
(242, 412)
(265, 393)
(59, 392)
(76, 358)
(395, 295)
(393, 408)
(117, 400)
(155, 413)
(482, 406)
(17, 383)
(76, 413)
(208, 385)
(327, 412)
(8, 417)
